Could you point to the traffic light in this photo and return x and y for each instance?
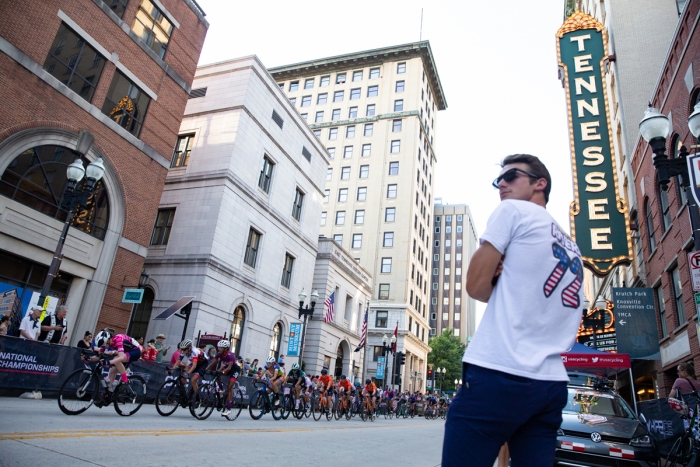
(400, 358)
(430, 374)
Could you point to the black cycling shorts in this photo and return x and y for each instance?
(234, 371)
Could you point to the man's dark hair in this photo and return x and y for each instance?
(536, 167)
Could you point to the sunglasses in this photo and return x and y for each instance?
(510, 175)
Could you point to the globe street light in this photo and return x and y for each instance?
(306, 313)
(389, 348)
(441, 376)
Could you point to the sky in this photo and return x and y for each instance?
(497, 62)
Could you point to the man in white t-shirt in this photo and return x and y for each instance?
(514, 382)
(30, 327)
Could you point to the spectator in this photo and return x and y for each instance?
(4, 325)
(280, 361)
(87, 339)
(151, 351)
(54, 328)
(139, 339)
(175, 358)
(254, 367)
(686, 382)
(30, 327)
(245, 365)
(161, 348)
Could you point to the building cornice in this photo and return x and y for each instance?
(331, 257)
(368, 58)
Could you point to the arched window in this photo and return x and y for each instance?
(237, 329)
(339, 361)
(37, 178)
(276, 341)
(138, 325)
(650, 226)
(676, 145)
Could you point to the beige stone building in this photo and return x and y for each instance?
(455, 240)
(375, 112)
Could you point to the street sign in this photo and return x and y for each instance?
(694, 172)
(694, 265)
(133, 296)
(635, 314)
(294, 341)
(381, 361)
(697, 302)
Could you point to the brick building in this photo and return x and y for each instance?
(120, 70)
(664, 220)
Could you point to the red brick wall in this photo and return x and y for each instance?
(671, 98)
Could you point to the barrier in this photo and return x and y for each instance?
(663, 424)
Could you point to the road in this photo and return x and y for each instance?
(36, 432)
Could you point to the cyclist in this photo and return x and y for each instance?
(297, 379)
(369, 392)
(389, 393)
(193, 360)
(325, 385)
(272, 375)
(126, 350)
(344, 388)
(227, 367)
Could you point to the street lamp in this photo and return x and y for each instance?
(457, 383)
(389, 348)
(441, 376)
(306, 313)
(597, 320)
(74, 197)
(654, 128)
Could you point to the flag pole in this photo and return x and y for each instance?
(393, 363)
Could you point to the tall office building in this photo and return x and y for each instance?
(375, 112)
(454, 244)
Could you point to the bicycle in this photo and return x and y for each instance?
(261, 402)
(88, 386)
(212, 394)
(342, 408)
(684, 451)
(320, 406)
(171, 394)
(292, 404)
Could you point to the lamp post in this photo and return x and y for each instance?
(441, 376)
(654, 128)
(457, 383)
(306, 313)
(597, 321)
(389, 349)
(74, 197)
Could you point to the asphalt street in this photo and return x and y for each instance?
(36, 432)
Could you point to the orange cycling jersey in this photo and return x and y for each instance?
(325, 380)
(345, 384)
(370, 388)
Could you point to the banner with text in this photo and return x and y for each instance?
(294, 341)
(635, 314)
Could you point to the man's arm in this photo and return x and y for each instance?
(484, 266)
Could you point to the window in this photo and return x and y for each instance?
(294, 86)
(321, 99)
(459, 218)
(152, 27)
(326, 195)
(445, 300)
(386, 265)
(360, 216)
(342, 195)
(373, 73)
(378, 351)
(317, 133)
(458, 271)
(335, 114)
(298, 202)
(324, 214)
(340, 78)
(390, 215)
(381, 321)
(366, 150)
(458, 286)
(354, 94)
(435, 270)
(319, 116)
(447, 271)
(338, 96)
(276, 341)
(393, 168)
(352, 112)
(662, 310)
(678, 295)
(448, 242)
(459, 242)
(305, 117)
(446, 286)
(331, 152)
(401, 68)
(345, 173)
(448, 219)
(364, 171)
(370, 110)
(126, 104)
(287, 270)
(79, 65)
(391, 190)
(448, 229)
(357, 240)
(388, 240)
(676, 145)
(400, 86)
(329, 174)
(650, 226)
(458, 257)
(181, 156)
(281, 85)
(459, 228)
(396, 126)
(333, 133)
(309, 83)
(293, 101)
(372, 91)
(437, 229)
(251, 250)
(338, 238)
(395, 146)
(347, 152)
(357, 75)
(665, 209)
(325, 81)
(350, 131)
(398, 105)
(447, 256)
(164, 223)
(362, 193)
(369, 129)
(266, 175)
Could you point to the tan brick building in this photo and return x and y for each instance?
(120, 70)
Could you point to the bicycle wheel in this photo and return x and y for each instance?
(236, 404)
(316, 409)
(277, 407)
(256, 408)
(203, 402)
(308, 408)
(338, 409)
(287, 406)
(77, 392)
(363, 411)
(167, 398)
(298, 408)
(129, 397)
(348, 412)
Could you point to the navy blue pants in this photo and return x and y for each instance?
(492, 408)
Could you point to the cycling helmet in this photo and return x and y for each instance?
(324, 371)
(368, 381)
(270, 360)
(343, 376)
(295, 366)
(184, 344)
(223, 344)
(102, 338)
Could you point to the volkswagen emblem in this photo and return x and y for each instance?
(595, 437)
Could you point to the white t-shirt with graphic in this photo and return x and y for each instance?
(535, 308)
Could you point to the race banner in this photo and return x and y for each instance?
(598, 215)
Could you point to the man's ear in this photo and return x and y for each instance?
(540, 184)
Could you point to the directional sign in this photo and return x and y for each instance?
(697, 302)
(635, 314)
(694, 265)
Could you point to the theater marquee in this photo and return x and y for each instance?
(598, 215)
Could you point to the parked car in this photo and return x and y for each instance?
(600, 429)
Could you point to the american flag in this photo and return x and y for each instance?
(363, 339)
(330, 303)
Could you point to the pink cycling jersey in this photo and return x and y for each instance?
(122, 341)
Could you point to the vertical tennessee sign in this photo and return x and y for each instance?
(598, 215)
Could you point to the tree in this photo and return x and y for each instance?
(447, 352)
